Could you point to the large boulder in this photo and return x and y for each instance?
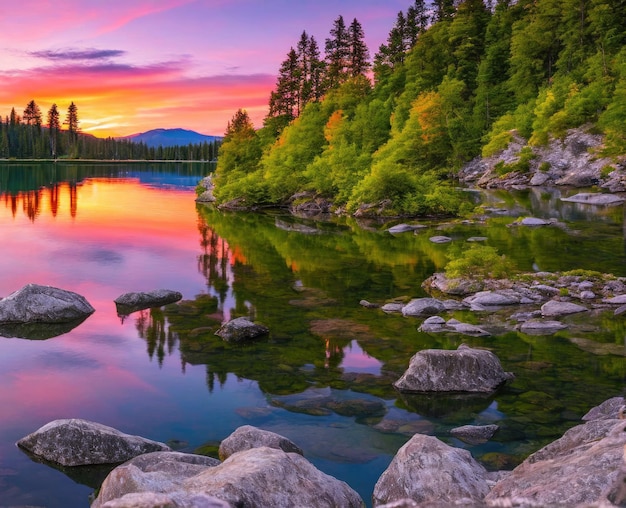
(269, 477)
(240, 330)
(247, 437)
(151, 474)
(74, 442)
(430, 472)
(132, 302)
(170, 500)
(419, 307)
(464, 370)
(555, 308)
(43, 304)
(583, 467)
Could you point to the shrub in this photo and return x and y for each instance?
(479, 261)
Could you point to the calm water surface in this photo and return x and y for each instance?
(323, 376)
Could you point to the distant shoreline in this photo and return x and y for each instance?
(102, 161)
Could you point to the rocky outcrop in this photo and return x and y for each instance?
(429, 471)
(247, 437)
(74, 442)
(208, 185)
(584, 466)
(241, 330)
(132, 302)
(464, 370)
(43, 304)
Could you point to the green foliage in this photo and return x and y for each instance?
(478, 261)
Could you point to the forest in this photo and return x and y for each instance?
(454, 81)
(29, 137)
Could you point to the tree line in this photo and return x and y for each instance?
(451, 82)
(29, 137)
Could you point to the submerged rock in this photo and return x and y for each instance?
(541, 327)
(43, 304)
(595, 198)
(474, 434)
(464, 370)
(429, 472)
(247, 437)
(75, 442)
(241, 330)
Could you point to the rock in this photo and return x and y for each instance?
(296, 227)
(587, 295)
(539, 178)
(240, 330)
(247, 437)
(579, 469)
(369, 305)
(610, 409)
(533, 221)
(392, 307)
(172, 500)
(464, 370)
(152, 473)
(145, 300)
(429, 472)
(269, 477)
(440, 239)
(437, 324)
(616, 300)
(419, 307)
(492, 299)
(477, 239)
(595, 198)
(74, 442)
(541, 327)
(43, 304)
(474, 434)
(404, 228)
(555, 308)
(620, 310)
(459, 286)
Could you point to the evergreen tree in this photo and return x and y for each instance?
(54, 127)
(359, 54)
(337, 54)
(32, 114)
(71, 120)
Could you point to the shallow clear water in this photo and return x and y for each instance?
(323, 376)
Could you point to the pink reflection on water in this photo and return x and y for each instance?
(357, 360)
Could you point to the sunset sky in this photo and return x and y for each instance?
(134, 65)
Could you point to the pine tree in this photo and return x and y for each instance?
(32, 114)
(359, 54)
(337, 54)
(71, 120)
(54, 127)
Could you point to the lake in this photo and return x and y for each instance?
(323, 376)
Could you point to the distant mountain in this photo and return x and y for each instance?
(171, 137)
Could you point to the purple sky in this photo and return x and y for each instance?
(134, 65)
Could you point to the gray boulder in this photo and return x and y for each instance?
(419, 307)
(492, 299)
(583, 467)
(43, 304)
(464, 370)
(240, 330)
(269, 477)
(171, 500)
(474, 434)
(147, 300)
(533, 221)
(430, 472)
(247, 437)
(609, 410)
(436, 324)
(153, 474)
(404, 228)
(555, 308)
(74, 442)
(440, 239)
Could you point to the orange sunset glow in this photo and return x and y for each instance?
(135, 65)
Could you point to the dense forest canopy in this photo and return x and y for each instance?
(29, 137)
(452, 82)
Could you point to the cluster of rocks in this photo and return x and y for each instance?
(585, 467)
(534, 301)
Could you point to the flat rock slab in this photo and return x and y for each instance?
(541, 327)
(43, 304)
(440, 239)
(405, 228)
(146, 300)
(419, 307)
(240, 330)
(533, 221)
(464, 370)
(75, 442)
(595, 198)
